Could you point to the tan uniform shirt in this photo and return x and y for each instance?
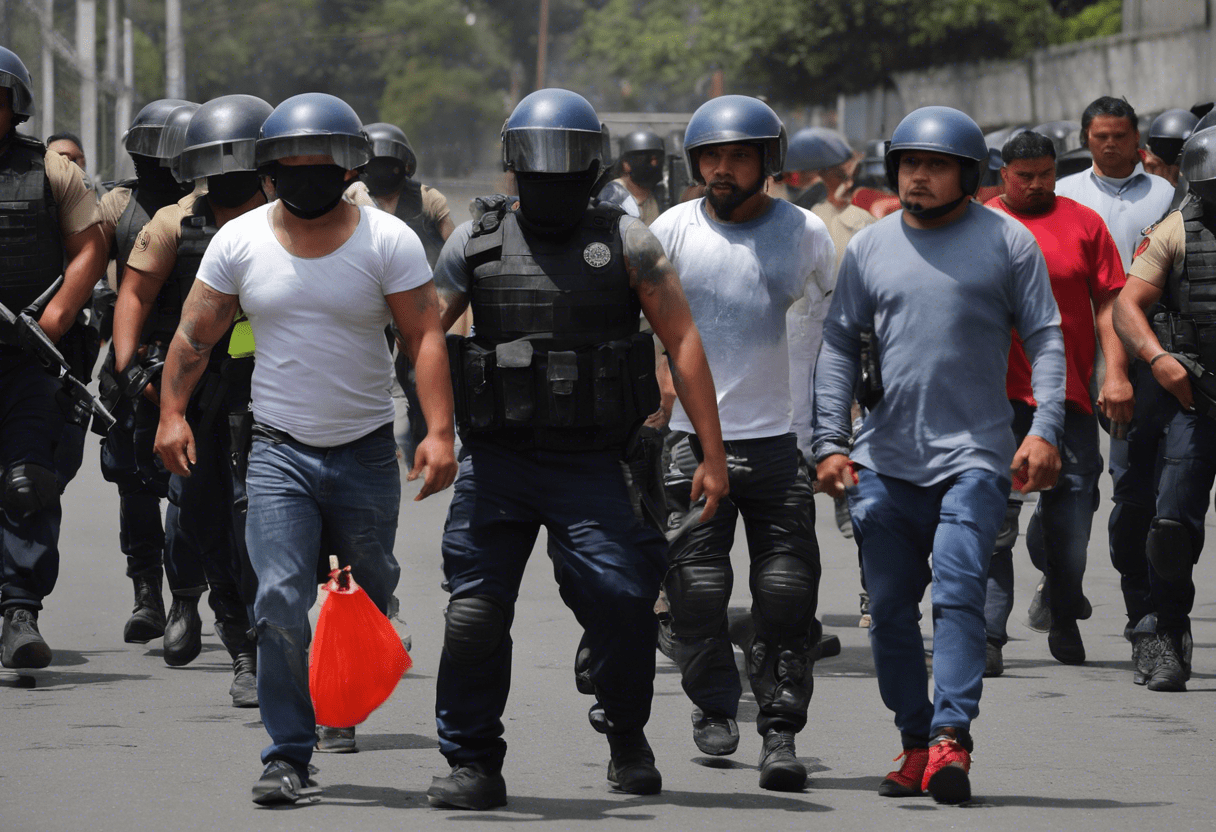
(434, 204)
(648, 208)
(155, 249)
(111, 207)
(1161, 251)
(842, 224)
(76, 203)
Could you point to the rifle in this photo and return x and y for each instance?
(34, 341)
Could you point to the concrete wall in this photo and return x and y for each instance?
(1140, 16)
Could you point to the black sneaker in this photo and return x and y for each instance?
(1145, 653)
(244, 690)
(282, 783)
(147, 620)
(714, 735)
(994, 661)
(1168, 673)
(21, 645)
(631, 768)
(780, 770)
(183, 631)
(1064, 642)
(335, 740)
(476, 786)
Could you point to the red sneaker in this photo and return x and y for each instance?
(906, 782)
(946, 774)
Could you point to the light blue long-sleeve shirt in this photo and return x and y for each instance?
(942, 303)
(1127, 206)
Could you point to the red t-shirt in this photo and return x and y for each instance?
(1082, 260)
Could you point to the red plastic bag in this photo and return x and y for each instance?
(357, 657)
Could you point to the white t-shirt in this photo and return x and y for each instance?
(322, 367)
(741, 280)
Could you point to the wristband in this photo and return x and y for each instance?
(1153, 360)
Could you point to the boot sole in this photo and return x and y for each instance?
(649, 782)
(474, 803)
(175, 657)
(1167, 685)
(141, 632)
(783, 779)
(890, 788)
(33, 655)
(950, 785)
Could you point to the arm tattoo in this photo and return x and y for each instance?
(645, 259)
(451, 306)
(206, 316)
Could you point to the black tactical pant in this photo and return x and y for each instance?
(771, 488)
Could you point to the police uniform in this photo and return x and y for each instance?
(43, 201)
(547, 394)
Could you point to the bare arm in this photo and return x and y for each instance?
(1116, 400)
(1131, 323)
(416, 314)
(655, 280)
(87, 255)
(451, 306)
(135, 298)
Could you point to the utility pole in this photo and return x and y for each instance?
(86, 50)
(542, 45)
(46, 102)
(123, 167)
(111, 74)
(175, 51)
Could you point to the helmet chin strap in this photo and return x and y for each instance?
(922, 213)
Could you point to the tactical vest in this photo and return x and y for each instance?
(409, 211)
(31, 243)
(1190, 292)
(144, 203)
(197, 230)
(557, 361)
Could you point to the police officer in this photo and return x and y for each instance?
(1175, 417)
(638, 189)
(218, 151)
(1166, 135)
(48, 227)
(547, 394)
(126, 452)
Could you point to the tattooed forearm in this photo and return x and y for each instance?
(645, 259)
(206, 316)
(451, 307)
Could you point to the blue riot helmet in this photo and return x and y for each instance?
(142, 138)
(939, 130)
(173, 135)
(16, 78)
(645, 153)
(220, 147)
(642, 141)
(1198, 164)
(393, 160)
(554, 143)
(1168, 132)
(736, 119)
(817, 148)
(312, 124)
(1065, 135)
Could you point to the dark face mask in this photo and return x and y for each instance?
(643, 173)
(384, 176)
(554, 202)
(231, 190)
(154, 176)
(309, 191)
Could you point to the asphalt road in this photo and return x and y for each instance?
(110, 738)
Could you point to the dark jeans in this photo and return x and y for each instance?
(31, 431)
(898, 525)
(298, 494)
(770, 487)
(1164, 469)
(141, 535)
(1058, 534)
(609, 563)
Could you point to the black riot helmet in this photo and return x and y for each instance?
(16, 78)
(817, 148)
(871, 171)
(644, 152)
(1205, 122)
(940, 130)
(143, 136)
(1074, 161)
(220, 137)
(736, 119)
(1169, 131)
(314, 123)
(1065, 135)
(642, 141)
(1198, 164)
(173, 135)
(393, 160)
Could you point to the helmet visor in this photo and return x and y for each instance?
(143, 140)
(347, 151)
(216, 159)
(22, 100)
(551, 151)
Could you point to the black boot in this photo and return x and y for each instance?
(632, 768)
(244, 690)
(147, 621)
(478, 786)
(183, 631)
(780, 770)
(1168, 673)
(21, 645)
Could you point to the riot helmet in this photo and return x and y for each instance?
(642, 141)
(1168, 132)
(736, 119)
(219, 146)
(644, 151)
(173, 135)
(1205, 122)
(16, 78)
(1198, 164)
(939, 130)
(817, 148)
(990, 174)
(393, 160)
(871, 171)
(1074, 161)
(142, 138)
(553, 141)
(1065, 135)
(997, 138)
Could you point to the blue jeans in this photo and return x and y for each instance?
(898, 525)
(305, 501)
(609, 564)
(1058, 534)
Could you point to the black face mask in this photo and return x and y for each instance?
(309, 191)
(231, 190)
(384, 176)
(643, 173)
(153, 176)
(553, 203)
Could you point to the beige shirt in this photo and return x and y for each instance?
(434, 204)
(155, 249)
(648, 208)
(842, 224)
(76, 203)
(111, 208)
(1161, 251)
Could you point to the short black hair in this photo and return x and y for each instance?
(65, 136)
(1107, 106)
(1028, 145)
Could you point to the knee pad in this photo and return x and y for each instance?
(475, 628)
(698, 594)
(1169, 549)
(785, 590)
(28, 488)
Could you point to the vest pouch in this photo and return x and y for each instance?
(512, 379)
(474, 367)
(1184, 335)
(642, 381)
(1205, 332)
(609, 368)
(561, 379)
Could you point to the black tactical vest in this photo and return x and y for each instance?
(197, 230)
(1192, 291)
(31, 243)
(409, 211)
(556, 360)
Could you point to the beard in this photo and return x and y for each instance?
(725, 204)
